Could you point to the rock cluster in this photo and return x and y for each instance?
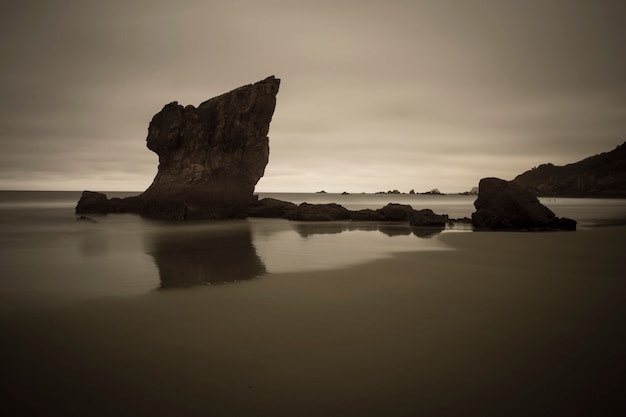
(210, 157)
(508, 205)
(269, 207)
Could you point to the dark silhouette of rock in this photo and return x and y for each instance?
(92, 202)
(210, 157)
(270, 207)
(367, 215)
(396, 212)
(392, 212)
(473, 191)
(434, 191)
(508, 205)
(319, 212)
(427, 218)
(602, 175)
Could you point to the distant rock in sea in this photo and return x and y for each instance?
(602, 175)
(434, 191)
(210, 157)
(508, 205)
(388, 192)
(473, 191)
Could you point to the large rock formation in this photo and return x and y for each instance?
(508, 205)
(602, 175)
(210, 157)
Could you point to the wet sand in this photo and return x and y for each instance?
(502, 324)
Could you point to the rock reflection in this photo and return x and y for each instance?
(308, 229)
(320, 228)
(397, 229)
(189, 256)
(427, 232)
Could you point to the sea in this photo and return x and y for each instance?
(118, 315)
(49, 256)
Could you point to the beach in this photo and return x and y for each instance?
(487, 323)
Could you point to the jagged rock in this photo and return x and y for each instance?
(270, 207)
(427, 217)
(396, 212)
(508, 205)
(319, 212)
(210, 157)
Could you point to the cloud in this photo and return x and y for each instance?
(374, 95)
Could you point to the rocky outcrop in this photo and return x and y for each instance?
(602, 175)
(392, 212)
(427, 218)
(93, 203)
(319, 212)
(210, 157)
(508, 205)
(271, 207)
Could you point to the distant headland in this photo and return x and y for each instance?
(602, 175)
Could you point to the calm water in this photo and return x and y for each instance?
(94, 320)
(48, 256)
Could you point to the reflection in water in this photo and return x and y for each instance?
(307, 229)
(226, 251)
(288, 246)
(427, 232)
(204, 254)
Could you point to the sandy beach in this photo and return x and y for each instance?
(499, 324)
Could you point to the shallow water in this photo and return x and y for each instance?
(128, 316)
(48, 256)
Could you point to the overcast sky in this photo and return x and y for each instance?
(375, 95)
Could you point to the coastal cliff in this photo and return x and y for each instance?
(210, 157)
(602, 175)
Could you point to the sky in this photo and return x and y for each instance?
(374, 96)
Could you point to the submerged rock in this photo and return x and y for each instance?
(508, 205)
(210, 157)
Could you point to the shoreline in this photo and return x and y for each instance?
(505, 323)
